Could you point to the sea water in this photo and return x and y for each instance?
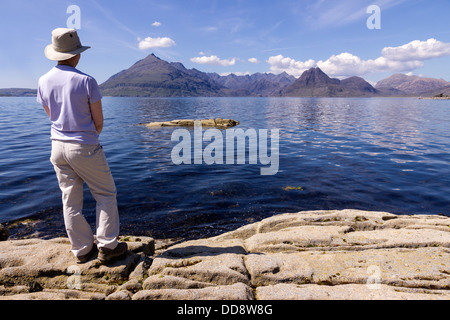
(379, 154)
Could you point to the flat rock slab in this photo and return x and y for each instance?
(238, 291)
(36, 265)
(346, 292)
(412, 268)
(203, 261)
(340, 255)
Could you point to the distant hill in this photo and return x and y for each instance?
(153, 77)
(18, 92)
(315, 83)
(401, 84)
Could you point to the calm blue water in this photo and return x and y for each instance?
(374, 154)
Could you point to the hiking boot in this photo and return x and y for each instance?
(106, 254)
(86, 257)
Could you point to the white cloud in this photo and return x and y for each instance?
(394, 59)
(280, 64)
(342, 64)
(156, 24)
(253, 60)
(214, 60)
(417, 50)
(150, 42)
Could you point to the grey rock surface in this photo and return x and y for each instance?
(336, 255)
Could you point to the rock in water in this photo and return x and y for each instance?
(218, 123)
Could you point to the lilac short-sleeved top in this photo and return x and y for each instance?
(68, 93)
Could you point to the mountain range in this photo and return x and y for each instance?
(18, 92)
(153, 77)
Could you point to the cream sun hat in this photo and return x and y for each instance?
(65, 45)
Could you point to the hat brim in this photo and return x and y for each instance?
(53, 55)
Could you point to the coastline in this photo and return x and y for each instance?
(337, 255)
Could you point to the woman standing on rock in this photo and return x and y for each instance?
(72, 101)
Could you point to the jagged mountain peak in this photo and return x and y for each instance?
(316, 83)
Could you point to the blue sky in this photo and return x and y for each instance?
(239, 36)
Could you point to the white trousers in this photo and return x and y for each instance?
(74, 164)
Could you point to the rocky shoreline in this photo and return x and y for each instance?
(315, 255)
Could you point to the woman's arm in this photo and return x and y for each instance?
(47, 110)
(97, 115)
